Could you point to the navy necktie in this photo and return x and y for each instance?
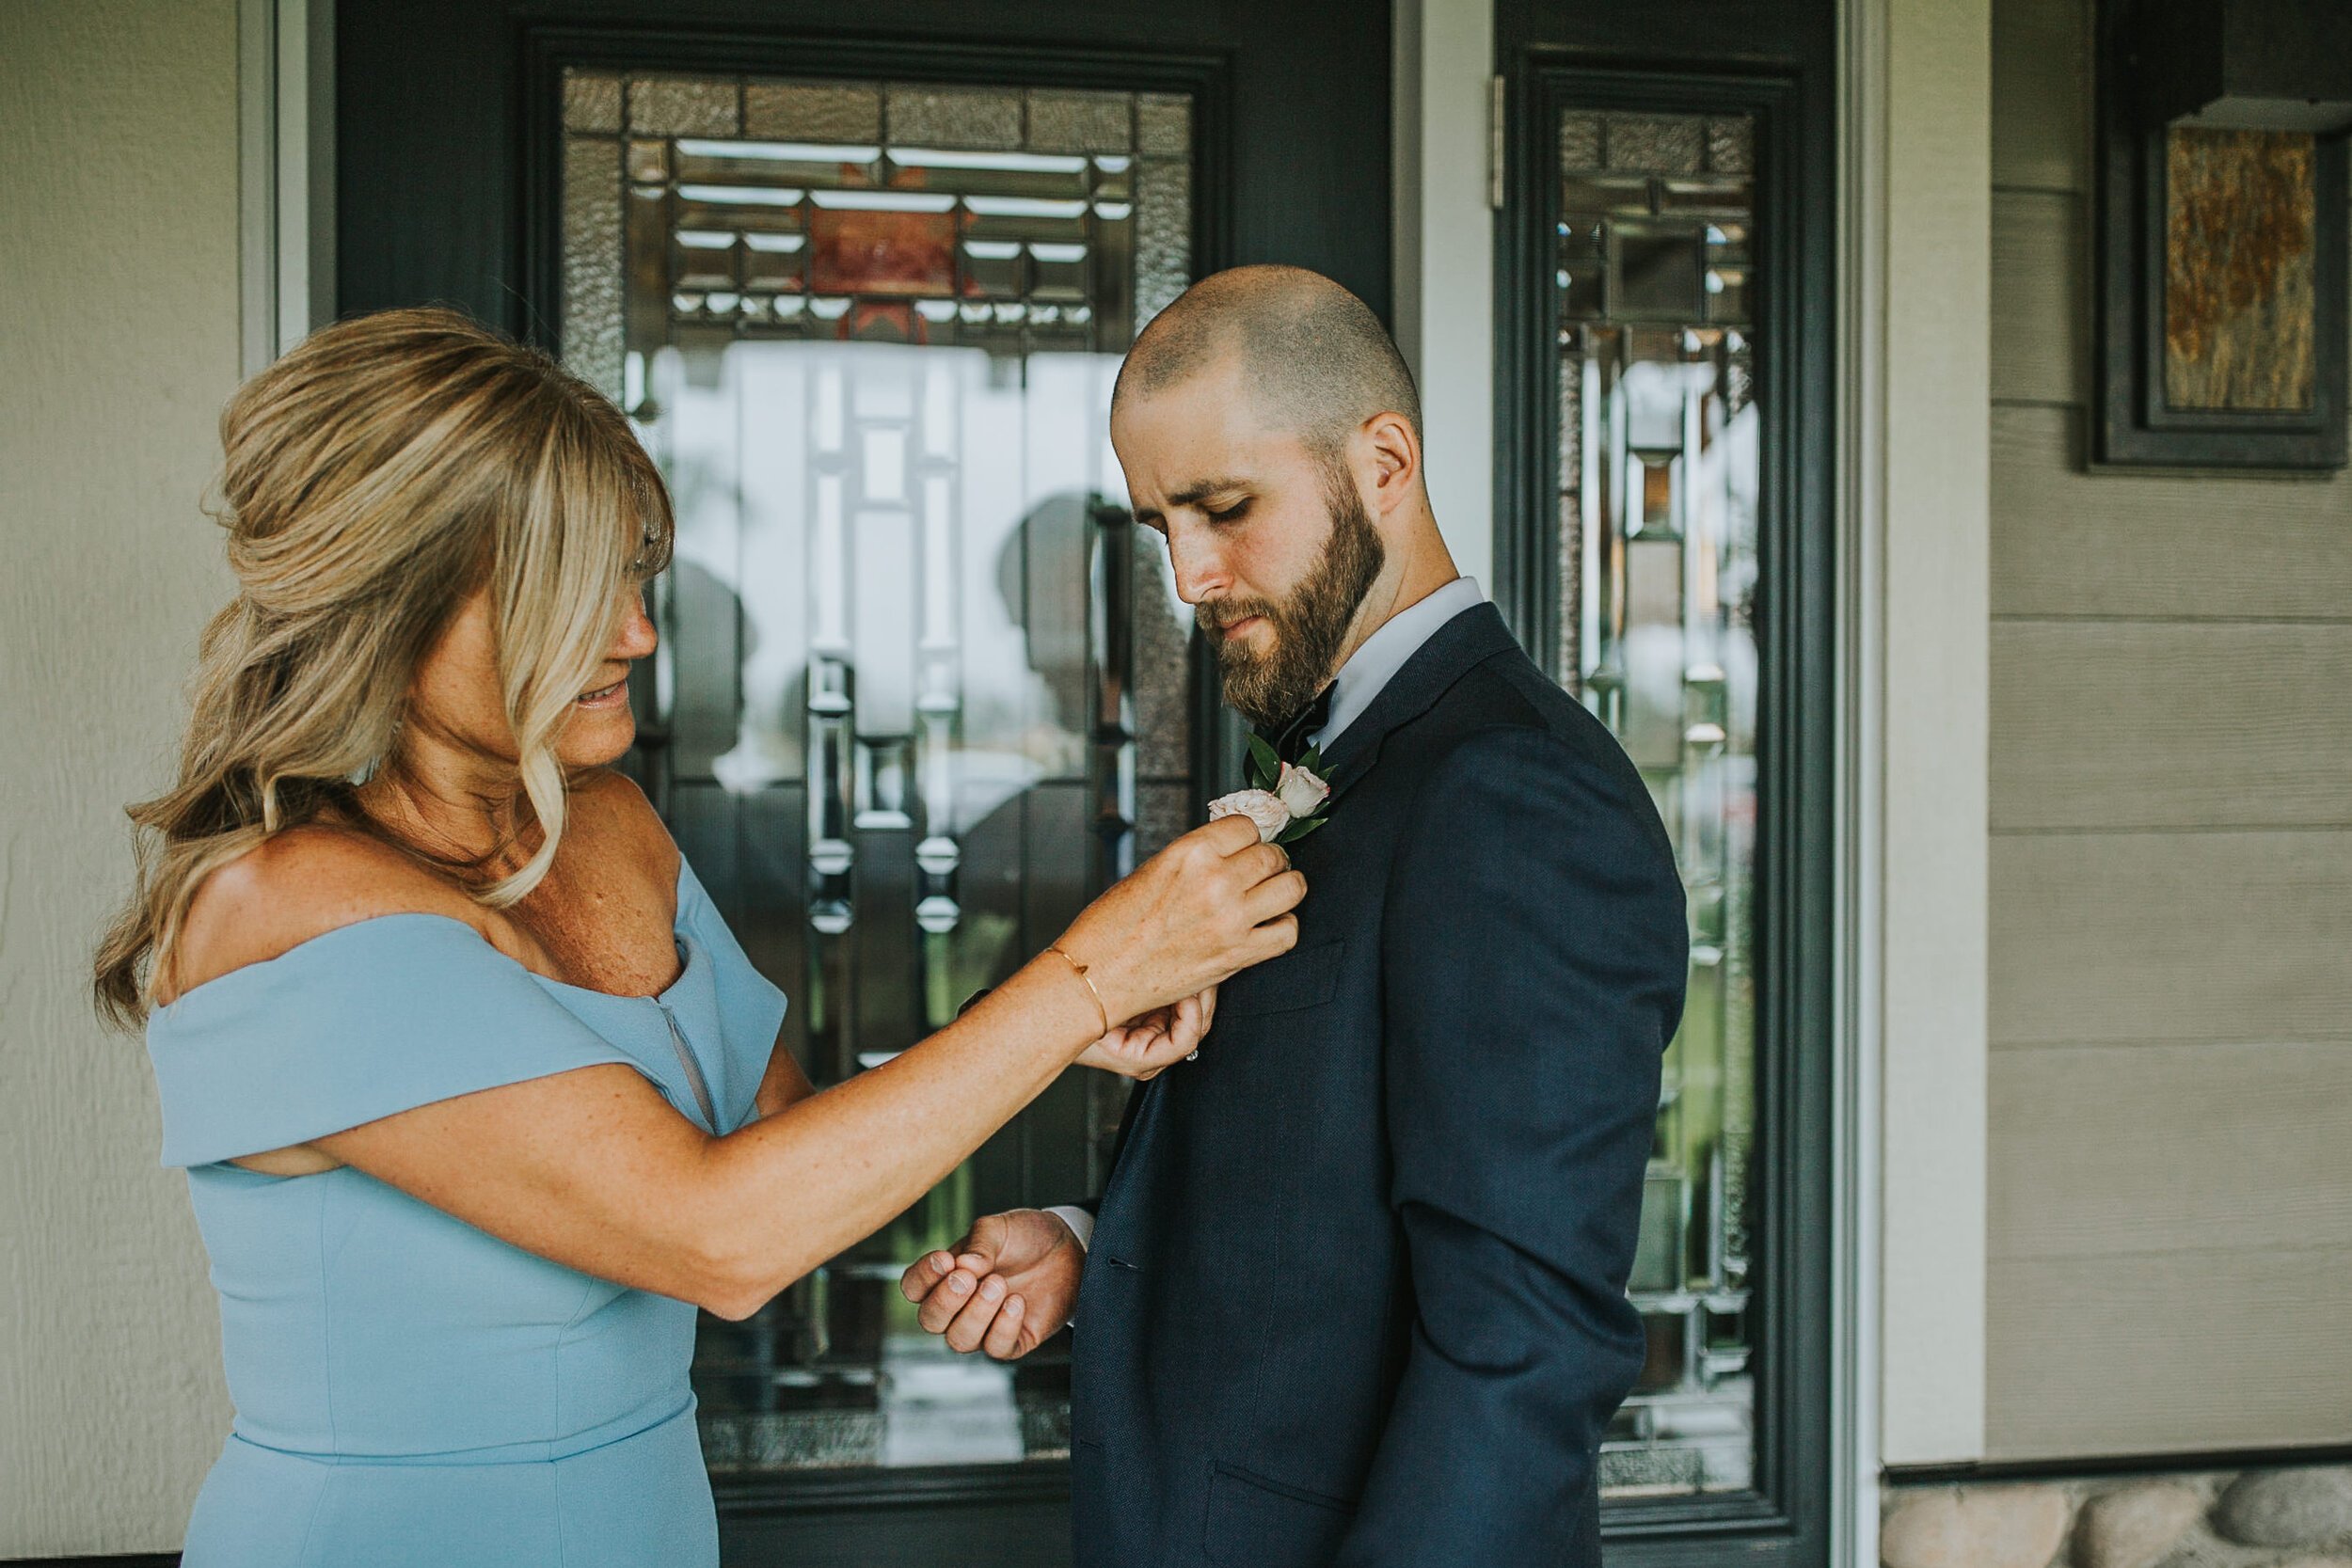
(1289, 740)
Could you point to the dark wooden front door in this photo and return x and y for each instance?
(861, 275)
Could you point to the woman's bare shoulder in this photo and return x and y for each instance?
(299, 884)
(613, 815)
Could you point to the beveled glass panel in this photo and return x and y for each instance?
(1583, 275)
(648, 162)
(1059, 272)
(1659, 274)
(1591, 196)
(917, 695)
(1656, 551)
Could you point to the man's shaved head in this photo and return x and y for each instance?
(1316, 357)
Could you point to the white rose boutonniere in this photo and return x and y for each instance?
(1262, 807)
(1299, 789)
(1286, 799)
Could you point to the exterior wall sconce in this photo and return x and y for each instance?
(2221, 233)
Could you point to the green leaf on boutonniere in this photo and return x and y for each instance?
(1265, 767)
(1298, 831)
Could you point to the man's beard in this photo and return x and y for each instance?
(1309, 625)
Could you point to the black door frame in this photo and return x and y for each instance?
(1776, 61)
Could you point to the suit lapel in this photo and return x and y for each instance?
(1452, 652)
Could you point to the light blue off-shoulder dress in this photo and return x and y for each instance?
(410, 1390)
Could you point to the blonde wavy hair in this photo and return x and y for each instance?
(376, 477)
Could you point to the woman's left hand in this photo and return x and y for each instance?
(1148, 1045)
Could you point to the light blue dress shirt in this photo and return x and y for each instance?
(1371, 667)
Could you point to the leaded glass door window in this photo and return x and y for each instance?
(918, 694)
(1656, 478)
(1667, 376)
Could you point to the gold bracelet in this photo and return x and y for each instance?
(1082, 974)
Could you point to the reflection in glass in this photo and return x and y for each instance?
(918, 693)
(1657, 565)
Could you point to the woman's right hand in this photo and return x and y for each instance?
(1202, 909)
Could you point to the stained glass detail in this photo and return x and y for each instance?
(1657, 144)
(1731, 144)
(918, 693)
(684, 107)
(592, 100)
(591, 258)
(986, 117)
(1579, 141)
(1081, 121)
(1164, 124)
(892, 251)
(812, 112)
(1656, 551)
(1163, 235)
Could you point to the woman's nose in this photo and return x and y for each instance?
(637, 637)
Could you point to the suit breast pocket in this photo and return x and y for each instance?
(1304, 977)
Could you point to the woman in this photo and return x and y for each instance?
(478, 1097)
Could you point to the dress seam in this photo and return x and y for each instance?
(326, 1326)
(555, 1399)
(326, 1372)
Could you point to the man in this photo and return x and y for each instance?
(1356, 1294)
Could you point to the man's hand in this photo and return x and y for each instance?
(1008, 1288)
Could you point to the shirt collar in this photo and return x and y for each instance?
(1371, 667)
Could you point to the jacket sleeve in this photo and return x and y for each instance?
(1534, 959)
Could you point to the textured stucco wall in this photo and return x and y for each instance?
(117, 345)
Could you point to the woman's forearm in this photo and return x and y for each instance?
(594, 1169)
(780, 1197)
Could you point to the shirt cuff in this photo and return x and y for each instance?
(1081, 1222)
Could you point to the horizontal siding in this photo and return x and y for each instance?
(2067, 542)
(2040, 351)
(2167, 1352)
(2041, 94)
(2171, 1092)
(2161, 936)
(2136, 724)
(2103, 1150)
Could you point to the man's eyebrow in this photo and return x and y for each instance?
(1201, 489)
(1190, 495)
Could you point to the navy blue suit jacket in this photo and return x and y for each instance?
(1356, 1293)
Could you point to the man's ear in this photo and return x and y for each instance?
(1396, 453)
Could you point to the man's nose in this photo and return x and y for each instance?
(1200, 572)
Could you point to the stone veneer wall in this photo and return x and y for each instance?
(2296, 1517)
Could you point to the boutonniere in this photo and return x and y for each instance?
(1287, 801)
